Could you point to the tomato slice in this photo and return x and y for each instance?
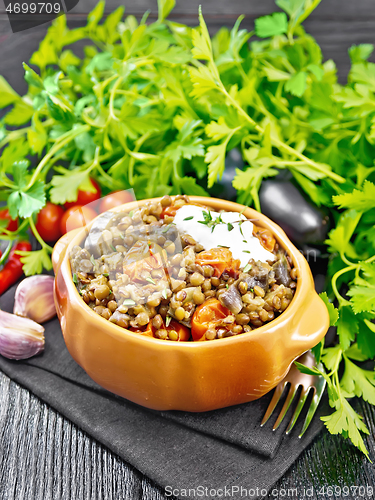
(220, 259)
(171, 210)
(265, 236)
(147, 330)
(182, 331)
(207, 315)
(143, 256)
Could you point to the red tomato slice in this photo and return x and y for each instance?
(207, 315)
(220, 259)
(182, 331)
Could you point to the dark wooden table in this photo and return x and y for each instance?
(43, 455)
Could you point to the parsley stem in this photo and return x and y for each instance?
(17, 231)
(276, 142)
(112, 98)
(6, 253)
(6, 182)
(15, 134)
(370, 259)
(335, 277)
(60, 143)
(37, 235)
(306, 14)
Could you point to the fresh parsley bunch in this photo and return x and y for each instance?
(157, 106)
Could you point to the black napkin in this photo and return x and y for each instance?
(215, 450)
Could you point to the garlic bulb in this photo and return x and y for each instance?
(34, 298)
(20, 338)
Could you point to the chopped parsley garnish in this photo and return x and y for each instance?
(165, 229)
(128, 302)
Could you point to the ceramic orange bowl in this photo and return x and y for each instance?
(190, 376)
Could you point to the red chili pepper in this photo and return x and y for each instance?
(12, 270)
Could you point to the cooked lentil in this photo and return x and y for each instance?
(138, 272)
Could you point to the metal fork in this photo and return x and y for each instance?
(296, 379)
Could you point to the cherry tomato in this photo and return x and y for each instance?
(183, 332)
(207, 315)
(75, 217)
(13, 223)
(114, 199)
(220, 259)
(48, 222)
(85, 197)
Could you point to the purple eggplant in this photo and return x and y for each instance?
(281, 201)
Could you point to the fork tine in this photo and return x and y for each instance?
(318, 393)
(275, 399)
(297, 411)
(287, 403)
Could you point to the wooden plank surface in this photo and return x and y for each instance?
(44, 456)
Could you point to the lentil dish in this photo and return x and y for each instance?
(142, 271)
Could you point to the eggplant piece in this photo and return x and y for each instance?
(281, 201)
(252, 281)
(92, 243)
(231, 299)
(282, 271)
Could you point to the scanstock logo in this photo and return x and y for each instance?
(27, 14)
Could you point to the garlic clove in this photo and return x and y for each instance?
(20, 338)
(34, 298)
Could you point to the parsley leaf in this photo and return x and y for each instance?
(65, 187)
(34, 262)
(363, 292)
(361, 200)
(333, 312)
(25, 203)
(297, 84)
(7, 94)
(275, 24)
(347, 422)
(358, 382)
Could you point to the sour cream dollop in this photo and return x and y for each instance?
(239, 240)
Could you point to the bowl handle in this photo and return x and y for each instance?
(60, 248)
(311, 324)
